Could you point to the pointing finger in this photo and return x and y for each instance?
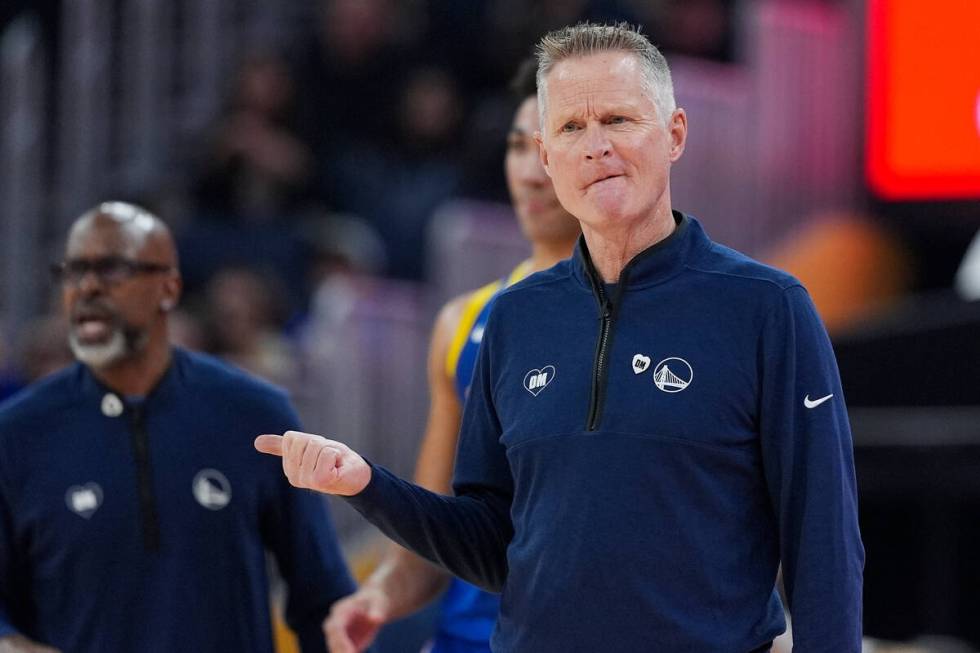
(270, 444)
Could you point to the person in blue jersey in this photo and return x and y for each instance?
(134, 515)
(403, 582)
(654, 426)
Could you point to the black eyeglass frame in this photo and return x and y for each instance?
(109, 270)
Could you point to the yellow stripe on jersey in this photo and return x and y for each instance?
(519, 273)
(471, 311)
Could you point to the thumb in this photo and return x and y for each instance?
(270, 444)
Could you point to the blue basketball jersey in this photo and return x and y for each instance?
(468, 613)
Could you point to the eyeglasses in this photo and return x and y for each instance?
(110, 270)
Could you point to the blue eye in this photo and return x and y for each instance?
(569, 127)
(616, 120)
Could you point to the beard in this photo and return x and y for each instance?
(122, 343)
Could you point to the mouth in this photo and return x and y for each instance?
(92, 326)
(599, 180)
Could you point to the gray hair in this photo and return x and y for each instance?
(592, 38)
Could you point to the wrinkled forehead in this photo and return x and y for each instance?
(596, 72)
(612, 76)
(595, 65)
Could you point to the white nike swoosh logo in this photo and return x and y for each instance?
(813, 403)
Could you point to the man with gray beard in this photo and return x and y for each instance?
(134, 515)
(119, 336)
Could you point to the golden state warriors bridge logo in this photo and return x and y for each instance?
(673, 374)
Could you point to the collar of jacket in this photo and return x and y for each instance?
(94, 390)
(654, 265)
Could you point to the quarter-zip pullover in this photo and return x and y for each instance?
(143, 525)
(634, 465)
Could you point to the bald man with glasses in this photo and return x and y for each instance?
(134, 515)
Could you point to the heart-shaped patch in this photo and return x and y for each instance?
(640, 363)
(538, 379)
(84, 500)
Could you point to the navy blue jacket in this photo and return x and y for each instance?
(144, 527)
(637, 459)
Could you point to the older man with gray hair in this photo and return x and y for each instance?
(653, 426)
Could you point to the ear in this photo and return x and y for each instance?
(677, 130)
(171, 293)
(542, 153)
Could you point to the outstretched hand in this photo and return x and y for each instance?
(354, 621)
(314, 462)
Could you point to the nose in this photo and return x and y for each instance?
(597, 145)
(90, 283)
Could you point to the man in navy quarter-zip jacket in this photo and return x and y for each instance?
(653, 425)
(134, 515)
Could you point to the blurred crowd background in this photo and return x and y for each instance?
(333, 171)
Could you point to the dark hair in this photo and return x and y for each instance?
(524, 83)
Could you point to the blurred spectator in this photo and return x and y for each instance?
(255, 183)
(429, 111)
(349, 74)
(206, 247)
(396, 189)
(256, 167)
(342, 245)
(244, 325)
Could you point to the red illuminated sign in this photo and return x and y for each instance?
(923, 120)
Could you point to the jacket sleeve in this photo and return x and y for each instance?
(809, 467)
(466, 534)
(301, 536)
